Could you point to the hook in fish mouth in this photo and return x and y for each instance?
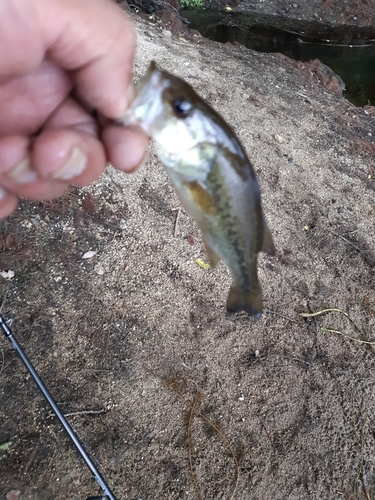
(147, 102)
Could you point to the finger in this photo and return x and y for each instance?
(94, 39)
(38, 190)
(126, 148)
(27, 101)
(22, 47)
(66, 155)
(8, 203)
(97, 45)
(13, 151)
(68, 149)
(17, 176)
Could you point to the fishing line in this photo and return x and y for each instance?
(25, 360)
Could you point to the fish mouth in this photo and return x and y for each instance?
(147, 104)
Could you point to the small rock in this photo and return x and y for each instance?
(13, 495)
(167, 33)
(279, 139)
(99, 269)
(89, 255)
(8, 275)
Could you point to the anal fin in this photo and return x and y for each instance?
(213, 258)
(267, 245)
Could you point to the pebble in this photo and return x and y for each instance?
(13, 495)
(99, 269)
(279, 139)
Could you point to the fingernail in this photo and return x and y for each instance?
(73, 167)
(2, 193)
(125, 102)
(130, 93)
(22, 173)
(122, 107)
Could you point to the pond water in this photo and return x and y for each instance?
(350, 52)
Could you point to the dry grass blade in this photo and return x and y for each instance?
(194, 410)
(366, 492)
(191, 414)
(322, 311)
(325, 329)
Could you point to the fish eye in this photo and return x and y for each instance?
(181, 107)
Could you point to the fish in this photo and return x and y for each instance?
(212, 175)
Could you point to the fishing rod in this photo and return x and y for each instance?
(25, 360)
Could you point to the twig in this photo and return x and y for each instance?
(304, 96)
(325, 329)
(281, 315)
(176, 222)
(333, 309)
(2, 350)
(346, 240)
(173, 386)
(211, 424)
(266, 430)
(190, 443)
(2, 361)
(2, 304)
(84, 412)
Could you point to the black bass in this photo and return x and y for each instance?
(212, 175)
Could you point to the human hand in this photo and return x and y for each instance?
(49, 137)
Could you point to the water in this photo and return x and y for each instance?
(349, 52)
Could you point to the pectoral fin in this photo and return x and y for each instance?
(213, 258)
(267, 245)
(249, 301)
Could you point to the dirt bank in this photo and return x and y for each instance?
(354, 13)
(125, 339)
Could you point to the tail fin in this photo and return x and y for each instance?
(249, 301)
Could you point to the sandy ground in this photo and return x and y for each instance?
(135, 341)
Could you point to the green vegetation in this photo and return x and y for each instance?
(191, 4)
